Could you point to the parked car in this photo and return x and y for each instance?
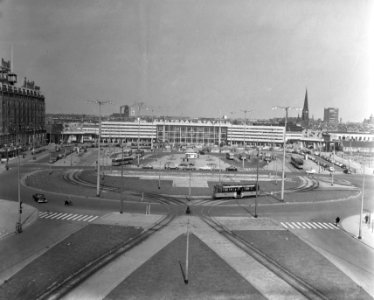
(147, 167)
(40, 198)
(347, 171)
(232, 168)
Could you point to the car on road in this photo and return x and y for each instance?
(347, 171)
(232, 169)
(147, 167)
(40, 198)
(311, 171)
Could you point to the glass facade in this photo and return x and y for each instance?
(187, 134)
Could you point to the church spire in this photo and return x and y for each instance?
(305, 113)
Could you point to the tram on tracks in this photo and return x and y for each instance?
(235, 191)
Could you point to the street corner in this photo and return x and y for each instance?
(365, 232)
(10, 216)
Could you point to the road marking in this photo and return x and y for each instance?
(306, 225)
(294, 224)
(67, 216)
(316, 224)
(309, 225)
(323, 225)
(301, 225)
(50, 215)
(63, 215)
(94, 218)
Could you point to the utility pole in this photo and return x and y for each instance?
(285, 108)
(362, 202)
(100, 103)
(122, 184)
(19, 223)
(258, 158)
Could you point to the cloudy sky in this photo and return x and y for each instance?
(194, 57)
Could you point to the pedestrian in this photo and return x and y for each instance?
(366, 219)
(337, 221)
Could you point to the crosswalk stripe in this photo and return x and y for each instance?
(63, 215)
(294, 224)
(331, 226)
(86, 218)
(323, 225)
(313, 226)
(81, 218)
(76, 218)
(43, 213)
(315, 223)
(301, 225)
(290, 225)
(306, 225)
(93, 218)
(51, 215)
(71, 216)
(283, 224)
(65, 218)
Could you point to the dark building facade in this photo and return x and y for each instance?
(305, 112)
(22, 110)
(331, 115)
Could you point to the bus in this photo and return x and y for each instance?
(122, 161)
(234, 191)
(297, 162)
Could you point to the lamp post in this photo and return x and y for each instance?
(362, 202)
(138, 140)
(245, 125)
(19, 222)
(258, 158)
(100, 103)
(333, 168)
(285, 108)
(122, 184)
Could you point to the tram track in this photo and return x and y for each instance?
(297, 283)
(58, 289)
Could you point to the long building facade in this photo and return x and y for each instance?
(179, 132)
(22, 111)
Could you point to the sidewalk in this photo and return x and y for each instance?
(9, 216)
(351, 225)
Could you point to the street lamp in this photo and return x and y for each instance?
(122, 183)
(138, 153)
(362, 201)
(245, 125)
(285, 108)
(19, 223)
(258, 158)
(100, 103)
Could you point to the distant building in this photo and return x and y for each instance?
(305, 113)
(331, 115)
(125, 110)
(22, 110)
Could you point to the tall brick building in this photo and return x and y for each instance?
(22, 110)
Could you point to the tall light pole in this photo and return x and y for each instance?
(100, 103)
(19, 222)
(122, 184)
(138, 153)
(245, 125)
(285, 108)
(362, 201)
(258, 158)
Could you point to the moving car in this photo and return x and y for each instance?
(347, 171)
(232, 168)
(147, 167)
(311, 171)
(40, 198)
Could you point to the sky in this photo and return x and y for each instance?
(197, 58)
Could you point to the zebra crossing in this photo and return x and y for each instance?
(309, 225)
(66, 216)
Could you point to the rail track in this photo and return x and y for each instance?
(297, 283)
